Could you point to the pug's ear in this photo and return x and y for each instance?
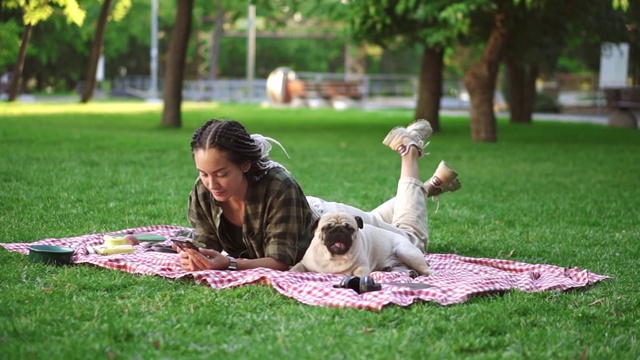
(359, 222)
(314, 224)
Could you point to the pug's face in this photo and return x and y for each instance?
(338, 231)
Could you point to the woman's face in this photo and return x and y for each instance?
(223, 178)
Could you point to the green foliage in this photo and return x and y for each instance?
(35, 11)
(10, 32)
(576, 65)
(48, 59)
(58, 53)
(543, 194)
(554, 33)
(120, 10)
(621, 4)
(396, 59)
(319, 55)
(545, 103)
(434, 23)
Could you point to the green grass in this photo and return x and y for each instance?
(555, 193)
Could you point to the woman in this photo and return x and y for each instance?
(253, 209)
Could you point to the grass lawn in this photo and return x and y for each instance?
(554, 193)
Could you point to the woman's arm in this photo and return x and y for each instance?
(288, 229)
(207, 259)
(201, 217)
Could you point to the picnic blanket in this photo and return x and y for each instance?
(455, 279)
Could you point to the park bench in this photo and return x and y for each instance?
(327, 90)
(623, 98)
(624, 102)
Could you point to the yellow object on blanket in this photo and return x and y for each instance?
(110, 250)
(114, 240)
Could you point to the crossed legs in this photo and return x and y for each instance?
(406, 213)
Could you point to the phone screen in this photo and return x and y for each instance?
(184, 244)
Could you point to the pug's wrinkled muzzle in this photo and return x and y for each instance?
(338, 240)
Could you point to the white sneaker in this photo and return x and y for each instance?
(400, 139)
(445, 179)
(421, 127)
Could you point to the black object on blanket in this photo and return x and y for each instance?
(159, 248)
(367, 284)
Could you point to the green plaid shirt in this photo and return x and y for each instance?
(277, 220)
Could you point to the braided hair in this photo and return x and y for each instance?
(231, 138)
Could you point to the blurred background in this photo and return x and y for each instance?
(341, 52)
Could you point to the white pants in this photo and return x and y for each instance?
(405, 214)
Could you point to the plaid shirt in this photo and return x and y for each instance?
(277, 219)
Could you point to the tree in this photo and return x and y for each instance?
(35, 11)
(434, 25)
(215, 41)
(176, 60)
(401, 21)
(480, 78)
(58, 54)
(122, 7)
(96, 51)
(128, 42)
(55, 65)
(14, 87)
(174, 74)
(527, 50)
(532, 49)
(225, 13)
(10, 29)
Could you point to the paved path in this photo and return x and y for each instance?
(580, 118)
(455, 107)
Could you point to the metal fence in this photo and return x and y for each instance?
(395, 90)
(239, 90)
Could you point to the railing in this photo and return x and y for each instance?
(371, 87)
(198, 90)
(225, 90)
(132, 86)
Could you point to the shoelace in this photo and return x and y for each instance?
(424, 147)
(436, 198)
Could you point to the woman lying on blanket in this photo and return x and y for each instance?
(252, 208)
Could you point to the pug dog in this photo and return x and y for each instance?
(342, 244)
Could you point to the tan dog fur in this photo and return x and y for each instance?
(367, 249)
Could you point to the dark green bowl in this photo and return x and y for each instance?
(55, 255)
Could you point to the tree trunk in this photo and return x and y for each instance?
(515, 75)
(218, 33)
(522, 89)
(96, 51)
(14, 88)
(530, 92)
(430, 86)
(480, 81)
(176, 59)
(355, 59)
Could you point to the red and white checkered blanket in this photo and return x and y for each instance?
(455, 277)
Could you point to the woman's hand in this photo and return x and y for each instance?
(208, 259)
(205, 259)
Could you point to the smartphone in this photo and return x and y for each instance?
(184, 243)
